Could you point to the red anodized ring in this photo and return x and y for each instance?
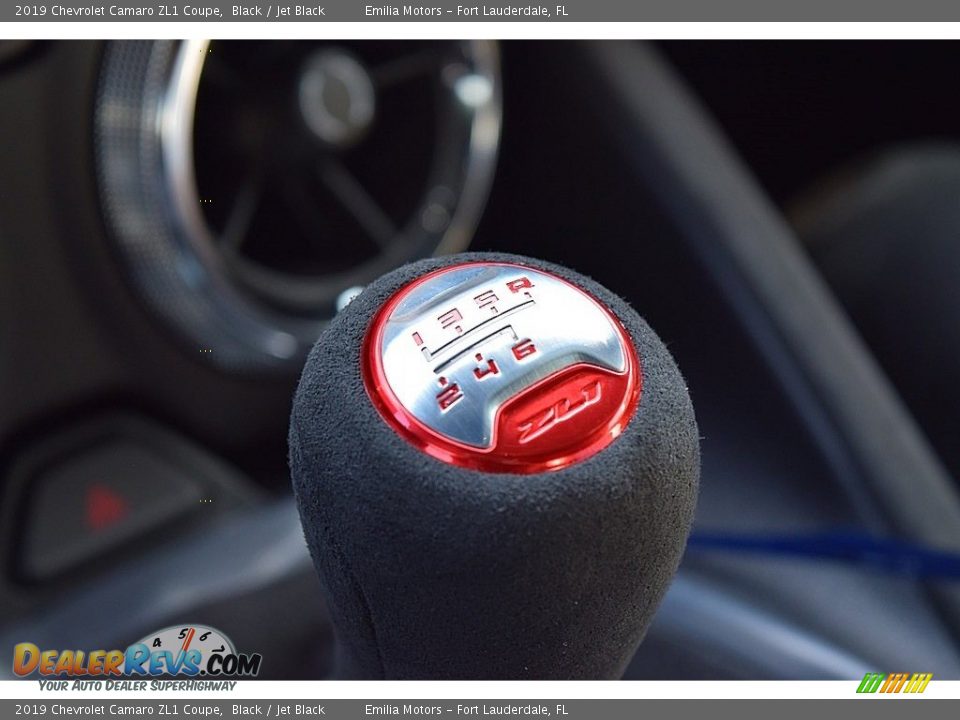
(560, 420)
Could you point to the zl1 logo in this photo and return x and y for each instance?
(548, 418)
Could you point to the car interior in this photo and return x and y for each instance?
(179, 221)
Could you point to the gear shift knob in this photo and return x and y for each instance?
(496, 464)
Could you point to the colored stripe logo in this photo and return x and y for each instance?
(894, 683)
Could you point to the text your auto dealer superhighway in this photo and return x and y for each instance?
(127, 11)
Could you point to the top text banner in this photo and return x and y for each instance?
(445, 11)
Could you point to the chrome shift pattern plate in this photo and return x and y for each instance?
(459, 343)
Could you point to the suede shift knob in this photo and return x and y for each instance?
(496, 462)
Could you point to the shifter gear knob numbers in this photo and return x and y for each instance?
(496, 464)
(501, 367)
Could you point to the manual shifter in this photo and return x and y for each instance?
(496, 463)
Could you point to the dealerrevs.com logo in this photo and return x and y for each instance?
(179, 650)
